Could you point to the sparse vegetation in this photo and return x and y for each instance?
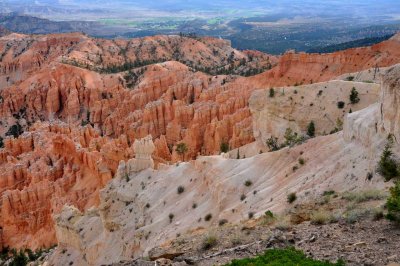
(272, 143)
(328, 193)
(251, 215)
(292, 138)
(356, 215)
(291, 197)
(320, 217)
(171, 217)
(182, 149)
(268, 218)
(364, 196)
(302, 161)
(209, 242)
(242, 197)
(283, 224)
(287, 256)
(21, 257)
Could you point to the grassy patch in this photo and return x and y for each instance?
(364, 196)
(288, 256)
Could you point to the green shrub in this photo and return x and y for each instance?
(19, 259)
(209, 242)
(328, 193)
(340, 104)
(271, 92)
(320, 217)
(248, 183)
(393, 203)
(224, 147)
(350, 78)
(171, 217)
(354, 96)
(222, 222)
(242, 197)
(277, 257)
(268, 218)
(182, 149)
(180, 189)
(291, 197)
(272, 143)
(208, 217)
(269, 214)
(292, 138)
(388, 166)
(15, 130)
(302, 161)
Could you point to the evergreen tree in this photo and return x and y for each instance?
(311, 129)
(393, 203)
(354, 96)
(388, 166)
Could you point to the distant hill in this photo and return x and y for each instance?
(32, 25)
(20, 23)
(351, 44)
(4, 31)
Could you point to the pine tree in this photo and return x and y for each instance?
(388, 166)
(311, 129)
(354, 96)
(393, 203)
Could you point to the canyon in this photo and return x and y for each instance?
(72, 110)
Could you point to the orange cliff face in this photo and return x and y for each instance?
(54, 85)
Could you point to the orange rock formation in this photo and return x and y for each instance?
(54, 85)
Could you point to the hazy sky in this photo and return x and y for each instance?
(361, 8)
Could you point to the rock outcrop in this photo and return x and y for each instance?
(145, 210)
(143, 149)
(52, 165)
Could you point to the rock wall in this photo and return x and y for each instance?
(296, 107)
